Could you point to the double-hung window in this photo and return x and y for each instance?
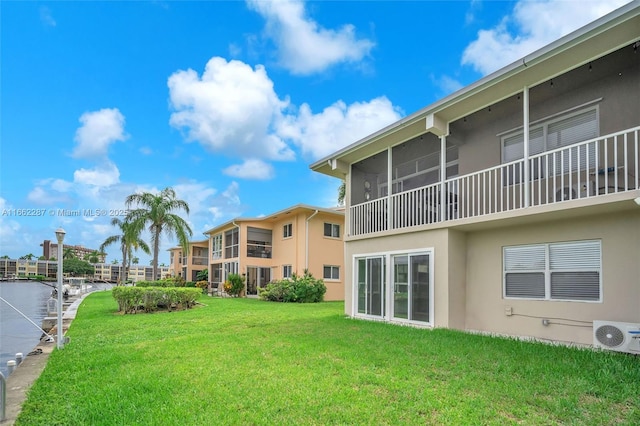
(286, 271)
(332, 230)
(555, 271)
(555, 133)
(331, 272)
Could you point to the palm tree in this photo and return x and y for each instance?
(129, 239)
(92, 257)
(135, 260)
(68, 253)
(156, 210)
(29, 256)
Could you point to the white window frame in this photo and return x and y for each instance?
(544, 125)
(548, 270)
(287, 271)
(335, 230)
(287, 230)
(216, 247)
(387, 277)
(332, 269)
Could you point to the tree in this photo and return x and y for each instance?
(342, 192)
(4, 257)
(42, 258)
(28, 256)
(129, 239)
(93, 257)
(135, 260)
(68, 253)
(77, 267)
(203, 275)
(157, 211)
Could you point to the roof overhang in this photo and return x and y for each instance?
(603, 36)
(298, 208)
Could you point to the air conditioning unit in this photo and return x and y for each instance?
(565, 194)
(617, 336)
(576, 191)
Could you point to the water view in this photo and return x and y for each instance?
(17, 334)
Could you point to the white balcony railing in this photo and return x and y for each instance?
(592, 168)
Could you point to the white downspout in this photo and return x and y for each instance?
(525, 117)
(306, 239)
(443, 177)
(233, 222)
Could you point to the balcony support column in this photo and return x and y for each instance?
(390, 213)
(443, 177)
(525, 127)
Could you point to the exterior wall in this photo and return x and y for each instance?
(327, 251)
(286, 251)
(485, 306)
(448, 311)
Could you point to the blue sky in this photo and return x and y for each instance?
(226, 102)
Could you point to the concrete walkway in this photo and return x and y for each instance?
(19, 382)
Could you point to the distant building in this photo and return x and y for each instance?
(276, 246)
(50, 249)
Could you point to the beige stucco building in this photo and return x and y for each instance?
(195, 261)
(278, 245)
(510, 206)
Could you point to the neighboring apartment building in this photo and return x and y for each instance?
(189, 266)
(508, 206)
(50, 250)
(16, 268)
(276, 246)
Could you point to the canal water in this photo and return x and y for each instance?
(17, 334)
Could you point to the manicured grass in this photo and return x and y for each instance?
(239, 361)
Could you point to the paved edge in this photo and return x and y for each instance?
(19, 382)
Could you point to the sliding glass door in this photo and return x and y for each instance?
(371, 286)
(411, 295)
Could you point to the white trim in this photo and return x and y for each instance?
(549, 117)
(387, 314)
(547, 271)
(544, 124)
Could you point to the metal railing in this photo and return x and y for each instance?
(596, 167)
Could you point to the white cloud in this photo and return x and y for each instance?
(231, 193)
(105, 174)
(337, 125)
(145, 150)
(251, 169)
(99, 130)
(196, 194)
(46, 17)
(531, 26)
(304, 47)
(446, 84)
(230, 108)
(41, 196)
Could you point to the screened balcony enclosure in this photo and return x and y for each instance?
(582, 142)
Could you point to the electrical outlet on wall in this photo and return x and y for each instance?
(508, 311)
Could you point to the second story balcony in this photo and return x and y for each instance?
(586, 170)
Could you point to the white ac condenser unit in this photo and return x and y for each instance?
(617, 336)
(576, 191)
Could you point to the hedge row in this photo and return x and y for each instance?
(148, 299)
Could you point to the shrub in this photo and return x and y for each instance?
(203, 285)
(301, 289)
(234, 285)
(131, 299)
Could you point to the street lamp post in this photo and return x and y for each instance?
(60, 237)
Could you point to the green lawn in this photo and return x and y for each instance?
(245, 362)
